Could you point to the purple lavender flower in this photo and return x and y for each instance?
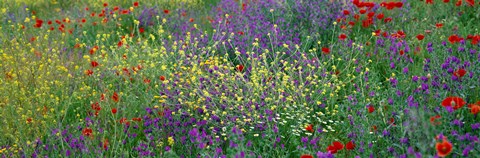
(324, 155)
(457, 122)
(415, 78)
(475, 126)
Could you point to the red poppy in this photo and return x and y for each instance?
(371, 109)
(475, 109)
(420, 37)
(392, 121)
(374, 129)
(114, 110)
(96, 106)
(338, 145)
(446, 1)
(351, 23)
(399, 4)
(309, 128)
(125, 11)
(87, 131)
(326, 50)
(70, 31)
(356, 2)
(191, 20)
(454, 39)
(138, 119)
(240, 68)
(350, 145)
(444, 148)
(389, 19)
(342, 36)
(390, 6)
(460, 73)
(371, 14)
(115, 97)
(306, 156)
(89, 72)
(470, 105)
(126, 71)
(471, 3)
(380, 16)
(29, 120)
(105, 144)
(434, 118)
(340, 19)
(141, 30)
(124, 121)
(459, 3)
(105, 4)
(356, 16)
(331, 149)
(38, 23)
(429, 1)
(377, 32)
(470, 37)
(166, 11)
(369, 5)
(162, 78)
(61, 28)
(147, 81)
(120, 43)
(455, 102)
(92, 51)
(244, 6)
(135, 4)
(400, 34)
(363, 11)
(367, 22)
(94, 64)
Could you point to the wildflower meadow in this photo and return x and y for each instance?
(239, 78)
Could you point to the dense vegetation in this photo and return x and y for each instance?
(233, 78)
